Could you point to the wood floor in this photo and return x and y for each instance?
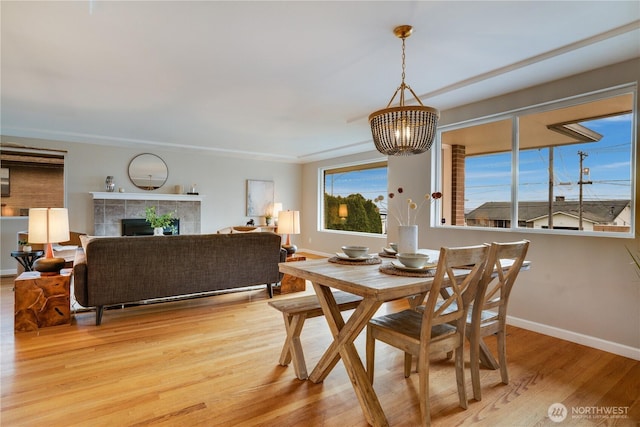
(213, 362)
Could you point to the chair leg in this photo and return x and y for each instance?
(475, 366)
(502, 355)
(425, 404)
(370, 353)
(408, 358)
(462, 391)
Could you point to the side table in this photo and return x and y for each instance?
(26, 259)
(290, 284)
(41, 301)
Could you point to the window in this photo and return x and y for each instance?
(565, 167)
(31, 179)
(354, 198)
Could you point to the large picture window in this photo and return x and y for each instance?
(565, 167)
(353, 198)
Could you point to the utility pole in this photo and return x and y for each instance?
(581, 182)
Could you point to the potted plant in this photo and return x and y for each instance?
(24, 246)
(159, 222)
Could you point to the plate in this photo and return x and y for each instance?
(347, 257)
(400, 266)
(389, 251)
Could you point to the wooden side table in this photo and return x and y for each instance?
(290, 284)
(41, 301)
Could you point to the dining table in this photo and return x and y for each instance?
(375, 287)
(373, 279)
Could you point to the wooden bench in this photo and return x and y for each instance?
(295, 311)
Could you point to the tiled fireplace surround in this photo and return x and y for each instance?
(110, 208)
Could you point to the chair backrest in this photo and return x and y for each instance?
(503, 265)
(460, 270)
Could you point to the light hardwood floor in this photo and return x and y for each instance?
(214, 362)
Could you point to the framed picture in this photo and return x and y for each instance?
(260, 196)
(4, 181)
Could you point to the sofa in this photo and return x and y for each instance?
(119, 270)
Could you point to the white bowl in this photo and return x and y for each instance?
(394, 246)
(355, 251)
(412, 260)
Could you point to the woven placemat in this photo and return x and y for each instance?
(386, 255)
(390, 269)
(368, 261)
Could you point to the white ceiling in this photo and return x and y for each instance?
(289, 81)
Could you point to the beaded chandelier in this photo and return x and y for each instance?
(404, 130)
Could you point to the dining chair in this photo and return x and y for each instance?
(488, 315)
(437, 329)
(488, 312)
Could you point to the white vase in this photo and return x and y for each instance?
(158, 231)
(407, 239)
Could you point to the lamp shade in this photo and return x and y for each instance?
(48, 225)
(343, 211)
(289, 222)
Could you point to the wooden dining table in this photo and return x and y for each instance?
(375, 287)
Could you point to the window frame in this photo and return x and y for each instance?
(350, 166)
(437, 163)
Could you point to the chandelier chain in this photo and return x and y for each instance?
(403, 58)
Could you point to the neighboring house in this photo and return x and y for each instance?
(598, 215)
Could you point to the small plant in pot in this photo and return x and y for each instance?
(159, 222)
(24, 246)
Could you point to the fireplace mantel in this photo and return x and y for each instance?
(146, 196)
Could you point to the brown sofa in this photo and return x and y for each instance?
(118, 270)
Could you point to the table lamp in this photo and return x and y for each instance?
(289, 223)
(48, 225)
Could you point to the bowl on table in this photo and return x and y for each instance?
(355, 251)
(394, 246)
(413, 260)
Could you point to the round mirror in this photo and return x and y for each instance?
(148, 171)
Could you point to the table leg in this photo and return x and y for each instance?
(343, 347)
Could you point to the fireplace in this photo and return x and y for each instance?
(109, 209)
(140, 227)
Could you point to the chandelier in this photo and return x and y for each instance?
(405, 129)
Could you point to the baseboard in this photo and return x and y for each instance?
(600, 344)
(9, 272)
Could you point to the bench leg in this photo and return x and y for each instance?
(292, 349)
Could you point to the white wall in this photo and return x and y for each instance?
(579, 288)
(220, 180)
